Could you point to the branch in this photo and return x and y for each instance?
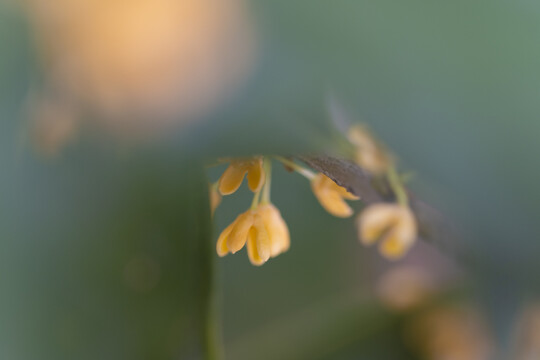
(433, 226)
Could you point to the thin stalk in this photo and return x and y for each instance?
(255, 201)
(397, 186)
(205, 283)
(299, 169)
(268, 181)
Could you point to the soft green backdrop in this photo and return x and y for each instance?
(451, 87)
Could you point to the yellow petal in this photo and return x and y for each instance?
(345, 194)
(263, 239)
(402, 235)
(232, 178)
(221, 246)
(276, 228)
(239, 233)
(331, 185)
(329, 198)
(258, 243)
(392, 248)
(253, 255)
(375, 220)
(256, 176)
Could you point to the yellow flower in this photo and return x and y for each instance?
(393, 224)
(331, 196)
(264, 231)
(369, 153)
(232, 178)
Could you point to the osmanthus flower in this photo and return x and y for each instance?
(233, 177)
(277, 229)
(264, 231)
(261, 227)
(393, 225)
(332, 196)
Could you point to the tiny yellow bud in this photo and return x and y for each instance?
(370, 155)
(233, 176)
(394, 225)
(331, 196)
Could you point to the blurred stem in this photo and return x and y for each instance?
(299, 169)
(268, 181)
(397, 187)
(212, 348)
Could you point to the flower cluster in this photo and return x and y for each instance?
(261, 228)
(264, 232)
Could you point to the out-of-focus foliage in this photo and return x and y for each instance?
(103, 248)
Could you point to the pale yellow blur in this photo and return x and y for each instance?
(451, 333)
(370, 154)
(405, 287)
(393, 224)
(138, 67)
(528, 334)
(54, 124)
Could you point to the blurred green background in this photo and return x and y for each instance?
(107, 246)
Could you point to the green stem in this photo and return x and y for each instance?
(299, 169)
(268, 181)
(210, 327)
(397, 186)
(255, 201)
